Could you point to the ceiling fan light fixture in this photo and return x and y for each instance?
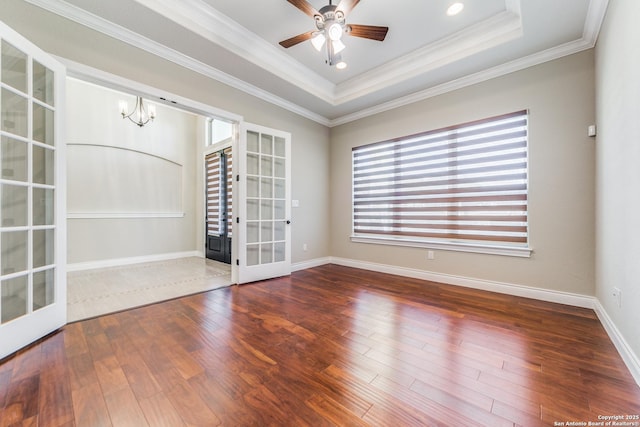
(330, 27)
(335, 31)
(318, 41)
(455, 8)
(338, 46)
(335, 60)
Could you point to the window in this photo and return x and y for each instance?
(462, 187)
(218, 167)
(218, 131)
(219, 189)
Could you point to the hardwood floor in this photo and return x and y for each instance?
(327, 346)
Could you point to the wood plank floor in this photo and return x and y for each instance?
(327, 346)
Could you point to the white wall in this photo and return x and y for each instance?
(618, 168)
(560, 98)
(130, 189)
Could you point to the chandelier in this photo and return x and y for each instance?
(139, 115)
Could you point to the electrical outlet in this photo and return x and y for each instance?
(431, 255)
(617, 294)
(304, 246)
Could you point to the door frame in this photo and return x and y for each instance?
(105, 79)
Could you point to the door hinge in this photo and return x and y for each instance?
(238, 177)
(237, 262)
(237, 220)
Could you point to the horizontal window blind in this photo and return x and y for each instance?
(213, 168)
(219, 169)
(462, 183)
(229, 193)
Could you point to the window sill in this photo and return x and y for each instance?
(522, 252)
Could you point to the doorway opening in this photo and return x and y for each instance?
(218, 166)
(149, 213)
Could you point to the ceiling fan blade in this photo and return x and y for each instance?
(304, 6)
(297, 39)
(368, 31)
(346, 6)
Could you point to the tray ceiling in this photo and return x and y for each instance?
(425, 52)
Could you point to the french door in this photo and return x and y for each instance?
(32, 216)
(264, 217)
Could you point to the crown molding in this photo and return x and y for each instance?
(207, 22)
(595, 16)
(494, 31)
(124, 35)
(488, 74)
(593, 23)
(216, 27)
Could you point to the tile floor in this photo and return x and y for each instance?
(92, 293)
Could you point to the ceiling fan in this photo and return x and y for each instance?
(330, 26)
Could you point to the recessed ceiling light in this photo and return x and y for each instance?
(455, 9)
(341, 65)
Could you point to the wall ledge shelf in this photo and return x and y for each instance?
(123, 215)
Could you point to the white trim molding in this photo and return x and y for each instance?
(123, 215)
(494, 31)
(303, 265)
(102, 78)
(593, 23)
(96, 23)
(166, 159)
(628, 356)
(207, 22)
(548, 295)
(517, 251)
(119, 262)
(203, 19)
(491, 73)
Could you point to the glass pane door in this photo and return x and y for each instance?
(265, 220)
(32, 283)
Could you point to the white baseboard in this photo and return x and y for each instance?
(310, 263)
(117, 262)
(485, 285)
(630, 358)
